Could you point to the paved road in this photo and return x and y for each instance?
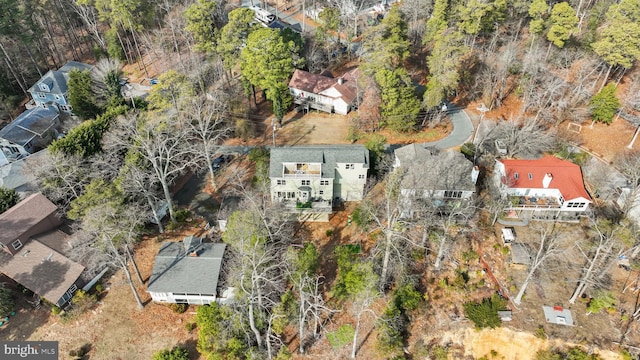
(462, 129)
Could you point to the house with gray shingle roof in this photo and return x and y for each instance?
(323, 92)
(434, 177)
(188, 272)
(52, 88)
(311, 179)
(33, 130)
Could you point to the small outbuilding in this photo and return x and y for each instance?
(520, 255)
(558, 315)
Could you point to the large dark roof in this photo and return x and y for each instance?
(31, 123)
(41, 269)
(174, 271)
(327, 155)
(57, 79)
(23, 216)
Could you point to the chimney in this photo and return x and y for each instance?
(474, 174)
(547, 180)
(340, 81)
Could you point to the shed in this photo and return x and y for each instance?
(508, 235)
(505, 315)
(558, 315)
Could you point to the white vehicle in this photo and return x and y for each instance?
(263, 15)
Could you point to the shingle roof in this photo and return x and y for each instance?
(31, 123)
(317, 83)
(327, 155)
(176, 272)
(57, 79)
(23, 216)
(41, 269)
(427, 169)
(567, 176)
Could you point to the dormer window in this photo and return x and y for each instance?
(16, 244)
(57, 97)
(41, 95)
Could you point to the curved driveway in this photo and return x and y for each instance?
(462, 129)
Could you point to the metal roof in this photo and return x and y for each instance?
(327, 155)
(175, 271)
(558, 315)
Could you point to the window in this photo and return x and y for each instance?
(453, 194)
(16, 244)
(324, 182)
(57, 97)
(321, 192)
(41, 95)
(576, 205)
(515, 176)
(361, 176)
(281, 182)
(530, 176)
(350, 166)
(306, 182)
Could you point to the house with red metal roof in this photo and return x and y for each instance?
(324, 92)
(545, 189)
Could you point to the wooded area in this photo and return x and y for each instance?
(562, 62)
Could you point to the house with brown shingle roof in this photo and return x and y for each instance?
(324, 92)
(545, 189)
(32, 249)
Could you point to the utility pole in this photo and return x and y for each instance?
(483, 109)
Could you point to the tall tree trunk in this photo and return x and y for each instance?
(167, 197)
(606, 78)
(133, 262)
(387, 256)
(523, 288)
(252, 325)
(130, 281)
(51, 35)
(441, 248)
(133, 34)
(7, 60)
(154, 211)
(354, 347)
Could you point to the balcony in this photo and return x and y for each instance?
(302, 170)
(534, 202)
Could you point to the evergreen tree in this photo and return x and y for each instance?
(8, 198)
(81, 94)
(400, 105)
(604, 104)
(537, 11)
(563, 22)
(619, 42)
(266, 62)
(6, 301)
(203, 23)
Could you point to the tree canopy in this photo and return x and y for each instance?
(604, 104)
(8, 198)
(81, 95)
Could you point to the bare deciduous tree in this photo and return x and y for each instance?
(526, 138)
(162, 144)
(548, 246)
(208, 128)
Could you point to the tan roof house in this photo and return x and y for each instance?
(324, 92)
(32, 249)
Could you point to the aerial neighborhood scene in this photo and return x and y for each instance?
(325, 179)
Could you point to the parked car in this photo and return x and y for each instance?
(220, 160)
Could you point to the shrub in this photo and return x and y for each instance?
(56, 310)
(353, 134)
(177, 353)
(540, 333)
(603, 300)
(179, 308)
(341, 337)
(190, 326)
(485, 313)
(468, 150)
(99, 288)
(329, 233)
(182, 215)
(8, 198)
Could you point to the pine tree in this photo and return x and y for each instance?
(563, 22)
(81, 94)
(604, 104)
